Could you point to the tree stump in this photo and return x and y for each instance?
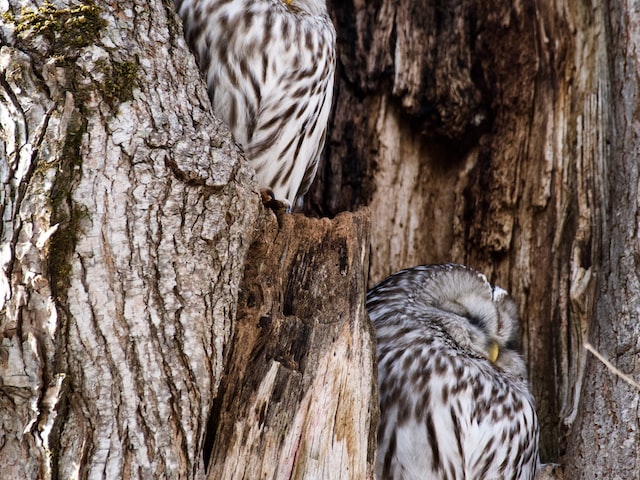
(298, 399)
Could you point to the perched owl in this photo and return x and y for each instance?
(269, 67)
(454, 402)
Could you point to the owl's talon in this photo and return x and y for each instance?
(269, 200)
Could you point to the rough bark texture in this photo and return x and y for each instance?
(500, 135)
(298, 398)
(125, 217)
(604, 442)
(479, 133)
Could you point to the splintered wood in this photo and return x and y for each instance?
(298, 396)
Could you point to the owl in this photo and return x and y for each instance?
(454, 402)
(269, 67)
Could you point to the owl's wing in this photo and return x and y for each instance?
(270, 79)
(292, 115)
(502, 435)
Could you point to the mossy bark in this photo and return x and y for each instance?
(127, 212)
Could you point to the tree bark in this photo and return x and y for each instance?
(481, 134)
(498, 135)
(605, 438)
(298, 398)
(126, 210)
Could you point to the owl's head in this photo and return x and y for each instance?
(479, 318)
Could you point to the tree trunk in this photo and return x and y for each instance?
(605, 438)
(298, 399)
(499, 135)
(126, 210)
(481, 133)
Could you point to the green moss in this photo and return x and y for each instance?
(66, 213)
(119, 85)
(71, 149)
(77, 26)
(66, 30)
(9, 17)
(59, 266)
(61, 248)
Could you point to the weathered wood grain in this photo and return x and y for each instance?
(298, 396)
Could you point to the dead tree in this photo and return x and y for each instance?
(298, 396)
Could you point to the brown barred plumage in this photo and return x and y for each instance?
(454, 402)
(269, 66)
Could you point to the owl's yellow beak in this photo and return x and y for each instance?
(288, 2)
(494, 351)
